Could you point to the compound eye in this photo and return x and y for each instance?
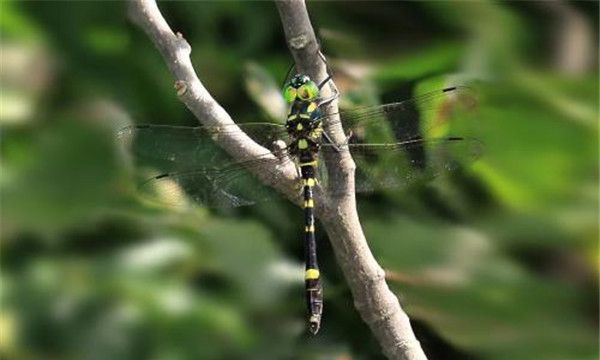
(290, 94)
(308, 91)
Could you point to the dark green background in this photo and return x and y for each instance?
(498, 261)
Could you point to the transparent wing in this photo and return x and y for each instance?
(397, 165)
(420, 117)
(231, 185)
(178, 148)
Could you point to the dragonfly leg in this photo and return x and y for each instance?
(326, 101)
(336, 93)
(329, 72)
(322, 83)
(334, 145)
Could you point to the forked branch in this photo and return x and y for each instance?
(176, 52)
(377, 305)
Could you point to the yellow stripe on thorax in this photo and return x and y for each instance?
(310, 182)
(311, 274)
(313, 163)
(309, 203)
(309, 228)
(302, 144)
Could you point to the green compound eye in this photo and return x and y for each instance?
(308, 91)
(289, 94)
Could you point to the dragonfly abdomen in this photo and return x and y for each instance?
(312, 281)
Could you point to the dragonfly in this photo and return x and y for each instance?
(387, 142)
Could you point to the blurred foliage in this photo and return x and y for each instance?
(497, 261)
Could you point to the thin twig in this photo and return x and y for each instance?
(377, 305)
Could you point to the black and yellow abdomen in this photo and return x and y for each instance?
(304, 128)
(312, 281)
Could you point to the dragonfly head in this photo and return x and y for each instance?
(302, 88)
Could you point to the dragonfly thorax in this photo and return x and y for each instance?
(304, 120)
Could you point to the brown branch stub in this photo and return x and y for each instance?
(181, 87)
(299, 42)
(377, 305)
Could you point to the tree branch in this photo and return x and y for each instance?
(377, 305)
(176, 52)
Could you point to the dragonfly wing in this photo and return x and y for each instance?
(420, 117)
(178, 148)
(232, 185)
(397, 165)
